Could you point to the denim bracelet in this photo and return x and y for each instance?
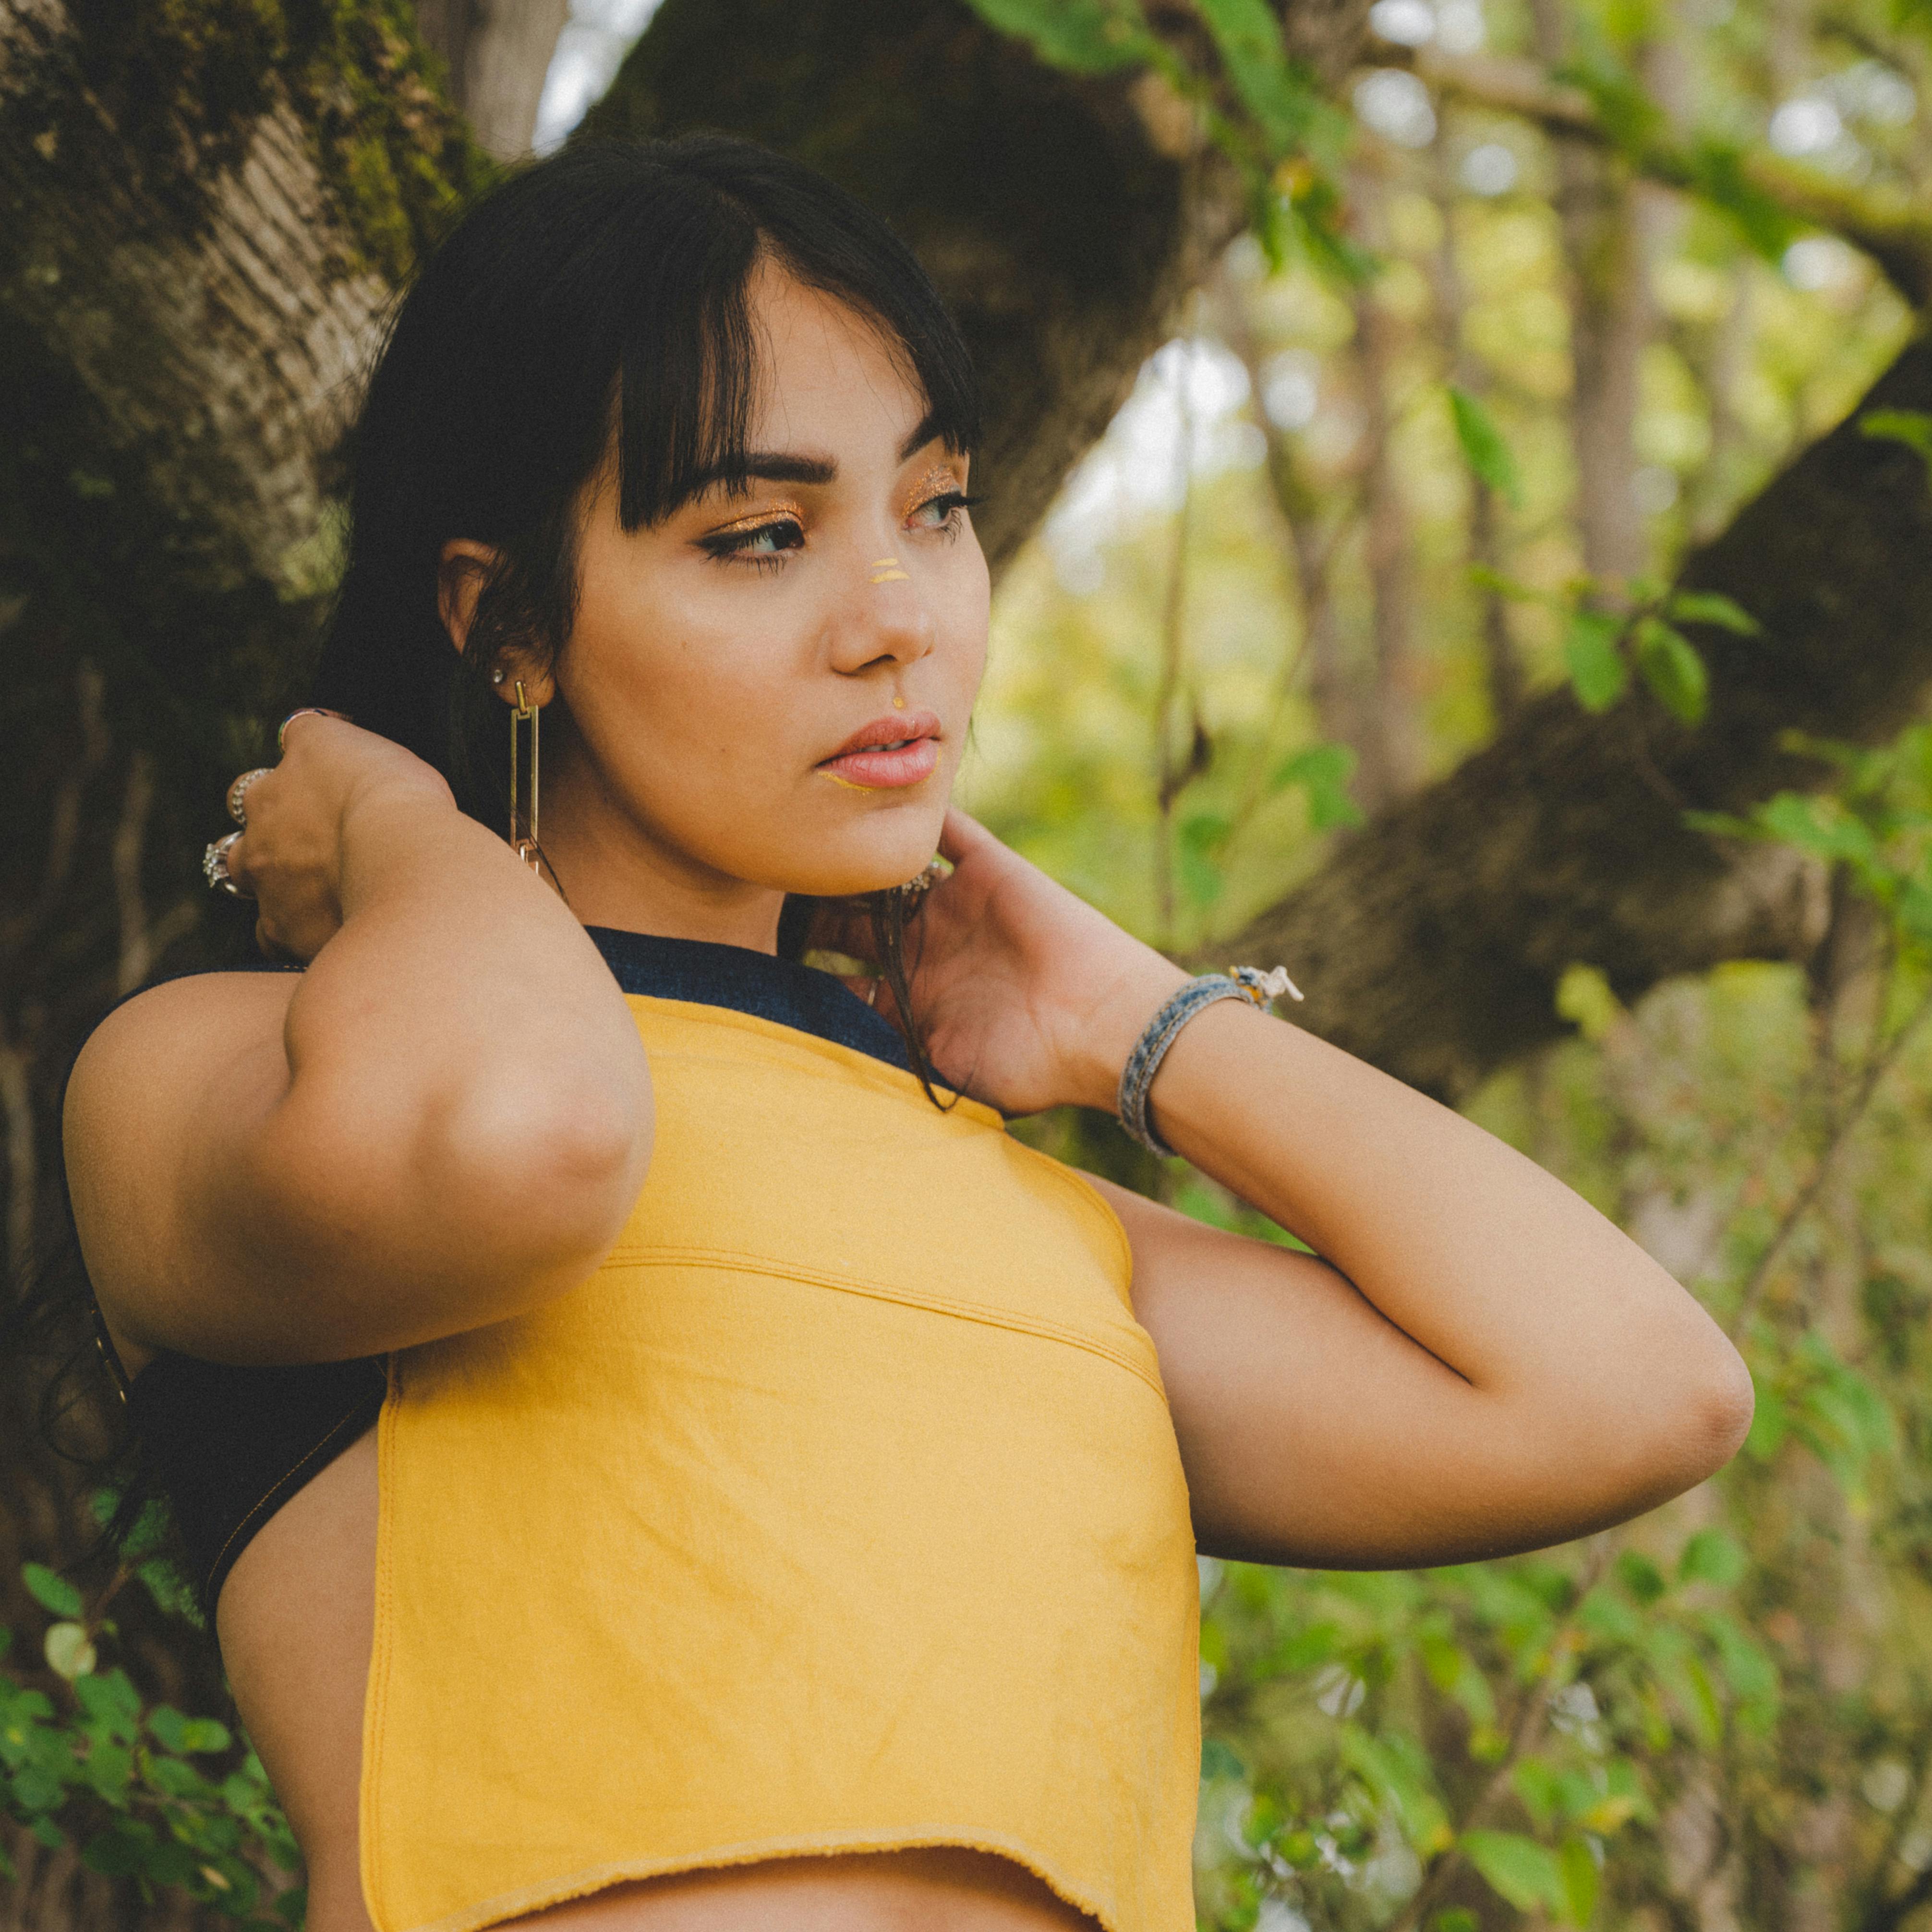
(1245, 982)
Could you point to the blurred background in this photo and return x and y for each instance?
(1458, 489)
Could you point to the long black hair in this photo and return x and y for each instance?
(594, 307)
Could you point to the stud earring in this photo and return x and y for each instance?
(524, 830)
(497, 676)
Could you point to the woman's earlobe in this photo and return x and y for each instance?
(461, 571)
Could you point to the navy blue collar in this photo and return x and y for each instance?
(759, 983)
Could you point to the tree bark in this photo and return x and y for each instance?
(1432, 942)
(1060, 228)
(497, 53)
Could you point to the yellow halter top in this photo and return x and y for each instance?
(839, 1510)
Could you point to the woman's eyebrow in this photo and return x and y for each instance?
(770, 466)
(778, 466)
(928, 428)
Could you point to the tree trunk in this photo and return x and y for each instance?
(1391, 732)
(1431, 943)
(496, 54)
(1061, 233)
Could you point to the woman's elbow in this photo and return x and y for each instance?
(1719, 1409)
(1694, 1419)
(563, 1158)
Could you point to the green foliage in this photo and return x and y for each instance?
(1323, 772)
(1081, 36)
(174, 1803)
(1876, 826)
(1488, 455)
(1912, 427)
(1258, 106)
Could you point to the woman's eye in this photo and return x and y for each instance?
(763, 544)
(942, 512)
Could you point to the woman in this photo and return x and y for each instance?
(779, 1513)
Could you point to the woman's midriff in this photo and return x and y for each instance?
(296, 1620)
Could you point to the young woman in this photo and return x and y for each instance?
(661, 1461)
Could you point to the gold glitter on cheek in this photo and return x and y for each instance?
(885, 570)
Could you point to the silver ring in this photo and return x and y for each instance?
(215, 867)
(238, 792)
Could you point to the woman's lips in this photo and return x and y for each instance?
(901, 750)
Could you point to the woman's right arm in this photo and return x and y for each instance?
(443, 1122)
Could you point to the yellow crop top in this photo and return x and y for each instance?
(840, 1510)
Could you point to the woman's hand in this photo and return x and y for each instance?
(1027, 997)
(289, 856)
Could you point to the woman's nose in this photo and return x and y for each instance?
(885, 615)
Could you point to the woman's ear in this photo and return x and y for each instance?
(464, 569)
(461, 572)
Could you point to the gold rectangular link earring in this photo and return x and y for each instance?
(523, 833)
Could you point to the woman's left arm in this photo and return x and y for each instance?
(1480, 1362)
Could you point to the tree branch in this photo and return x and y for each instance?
(1892, 226)
(1432, 943)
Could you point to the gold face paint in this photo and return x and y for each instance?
(898, 704)
(885, 570)
(751, 520)
(939, 481)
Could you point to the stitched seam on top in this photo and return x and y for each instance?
(970, 1311)
(275, 1492)
(782, 1035)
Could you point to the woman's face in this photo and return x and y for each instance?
(730, 666)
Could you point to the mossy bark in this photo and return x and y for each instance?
(202, 211)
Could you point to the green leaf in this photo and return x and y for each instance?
(1673, 669)
(126, 1848)
(111, 1701)
(1247, 34)
(1582, 1878)
(1712, 1556)
(1489, 456)
(1748, 1667)
(1599, 672)
(173, 1594)
(67, 1651)
(1218, 1759)
(1912, 427)
(50, 1591)
(1640, 1576)
(1456, 1919)
(1081, 36)
(1718, 173)
(1608, 1616)
(1586, 998)
(1323, 771)
(1526, 1873)
(1712, 606)
(1536, 1785)
(186, 1735)
(1629, 117)
(1484, 578)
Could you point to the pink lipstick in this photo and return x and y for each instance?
(902, 749)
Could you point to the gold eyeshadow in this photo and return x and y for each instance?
(752, 520)
(937, 481)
